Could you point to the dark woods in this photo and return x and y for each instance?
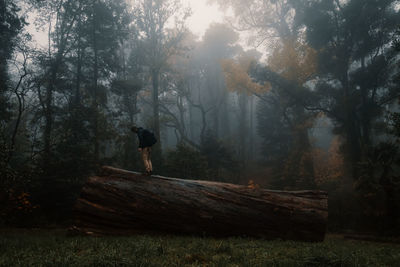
(319, 110)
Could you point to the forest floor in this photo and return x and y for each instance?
(35, 247)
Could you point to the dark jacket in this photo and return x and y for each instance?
(143, 142)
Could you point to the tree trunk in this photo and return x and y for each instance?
(156, 117)
(123, 202)
(95, 105)
(251, 130)
(79, 56)
(156, 150)
(48, 115)
(243, 128)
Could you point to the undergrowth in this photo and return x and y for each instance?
(56, 248)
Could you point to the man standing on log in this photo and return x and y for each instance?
(146, 140)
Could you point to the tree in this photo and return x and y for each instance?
(127, 89)
(220, 158)
(187, 162)
(269, 20)
(127, 202)
(238, 80)
(159, 44)
(296, 63)
(108, 25)
(353, 84)
(13, 39)
(20, 89)
(199, 83)
(354, 65)
(219, 42)
(60, 38)
(272, 21)
(329, 165)
(63, 75)
(11, 25)
(283, 121)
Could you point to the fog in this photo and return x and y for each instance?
(286, 94)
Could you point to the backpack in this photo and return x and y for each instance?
(149, 138)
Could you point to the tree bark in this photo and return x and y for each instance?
(95, 105)
(123, 202)
(157, 158)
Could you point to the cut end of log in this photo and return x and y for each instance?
(123, 202)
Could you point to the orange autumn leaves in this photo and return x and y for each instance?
(21, 201)
(329, 165)
(294, 61)
(237, 78)
(291, 59)
(297, 63)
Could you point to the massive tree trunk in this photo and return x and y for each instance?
(123, 202)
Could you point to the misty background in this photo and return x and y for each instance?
(282, 94)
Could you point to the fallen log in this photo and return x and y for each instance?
(123, 202)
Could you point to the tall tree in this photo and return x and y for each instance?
(108, 25)
(159, 43)
(81, 57)
(60, 38)
(355, 65)
(238, 81)
(271, 23)
(11, 24)
(295, 62)
(219, 42)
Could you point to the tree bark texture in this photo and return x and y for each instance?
(123, 202)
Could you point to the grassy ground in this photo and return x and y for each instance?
(54, 248)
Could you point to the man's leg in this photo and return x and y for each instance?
(149, 160)
(146, 155)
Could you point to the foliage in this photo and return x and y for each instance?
(394, 125)
(294, 61)
(126, 155)
(274, 130)
(11, 26)
(329, 165)
(237, 78)
(54, 248)
(186, 162)
(17, 203)
(159, 44)
(58, 115)
(214, 161)
(354, 71)
(220, 158)
(378, 186)
(353, 85)
(283, 121)
(17, 209)
(268, 20)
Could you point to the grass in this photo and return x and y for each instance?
(55, 248)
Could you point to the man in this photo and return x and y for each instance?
(146, 140)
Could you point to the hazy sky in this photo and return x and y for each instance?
(203, 15)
